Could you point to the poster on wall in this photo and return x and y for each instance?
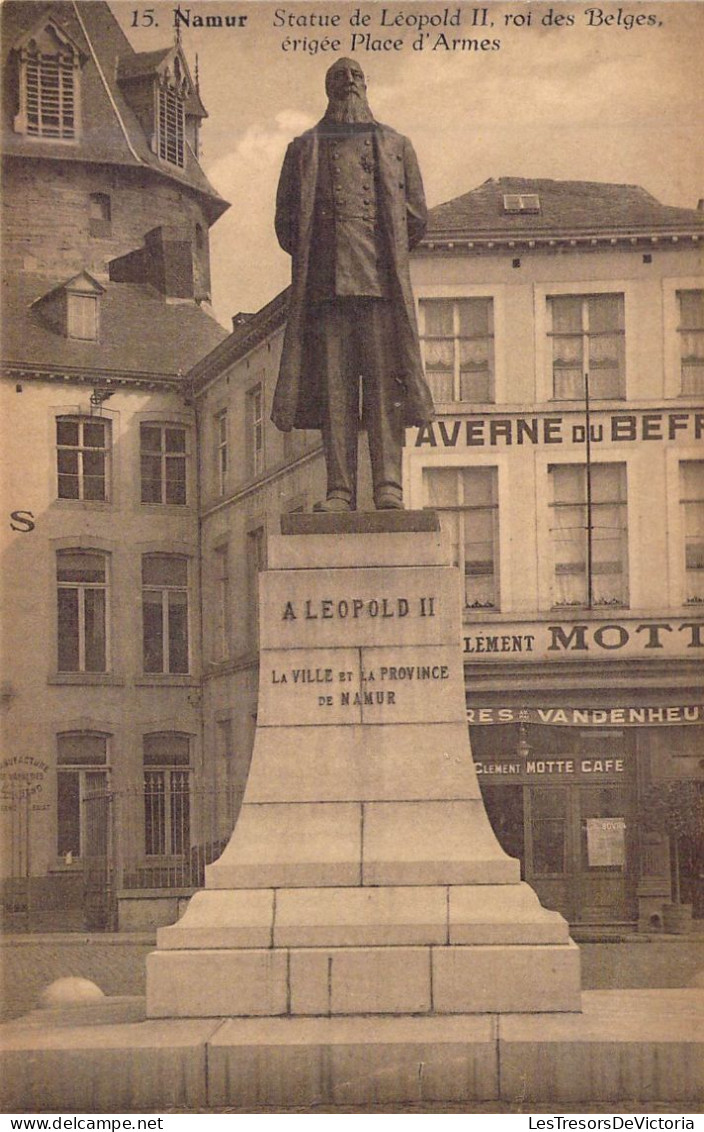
(606, 842)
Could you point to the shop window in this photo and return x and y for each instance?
(548, 830)
(692, 503)
(221, 450)
(466, 501)
(221, 626)
(589, 537)
(255, 429)
(165, 613)
(81, 794)
(82, 454)
(457, 341)
(48, 86)
(691, 335)
(163, 463)
(167, 801)
(587, 333)
(82, 611)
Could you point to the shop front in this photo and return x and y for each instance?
(564, 788)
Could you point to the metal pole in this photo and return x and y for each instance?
(590, 583)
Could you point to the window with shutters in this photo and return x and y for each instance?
(170, 92)
(49, 70)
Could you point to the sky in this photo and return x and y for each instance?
(604, 101)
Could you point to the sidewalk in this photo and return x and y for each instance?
(116, 962)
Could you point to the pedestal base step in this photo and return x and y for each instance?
(364, 980)
(630, 1049)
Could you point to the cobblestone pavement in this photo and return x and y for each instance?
(117, 963)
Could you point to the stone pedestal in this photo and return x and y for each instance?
(363, 876)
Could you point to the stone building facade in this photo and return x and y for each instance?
(583, 635)
(105, 226)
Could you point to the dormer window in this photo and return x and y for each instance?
(82, 316)
(521, 202)
(71, 308)
(48, 86)
(159, 88)
(171, 91)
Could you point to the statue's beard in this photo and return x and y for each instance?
(351, 107)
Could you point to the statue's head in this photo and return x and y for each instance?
(346, 89)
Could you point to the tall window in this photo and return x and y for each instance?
(588, 336)
(81, 577)
(466, 500)
(256, 562)
(692, 497)
(165, 613)
(163, 463)
(170, 124)
(255, 429)
(691, 332)
(167, 802)
(590, 560)
(81, 794)
(83, 446)
(457, 339)
(48, 87)
(221, 437)
(99, 215)
(221, 627)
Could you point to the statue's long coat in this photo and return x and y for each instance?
(402, 218)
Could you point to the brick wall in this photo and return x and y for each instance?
(46, 217)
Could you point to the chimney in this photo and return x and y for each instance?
(165, 262)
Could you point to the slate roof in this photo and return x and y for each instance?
(567, 208)
(244, 337)
(110, 130)
(140, 334)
